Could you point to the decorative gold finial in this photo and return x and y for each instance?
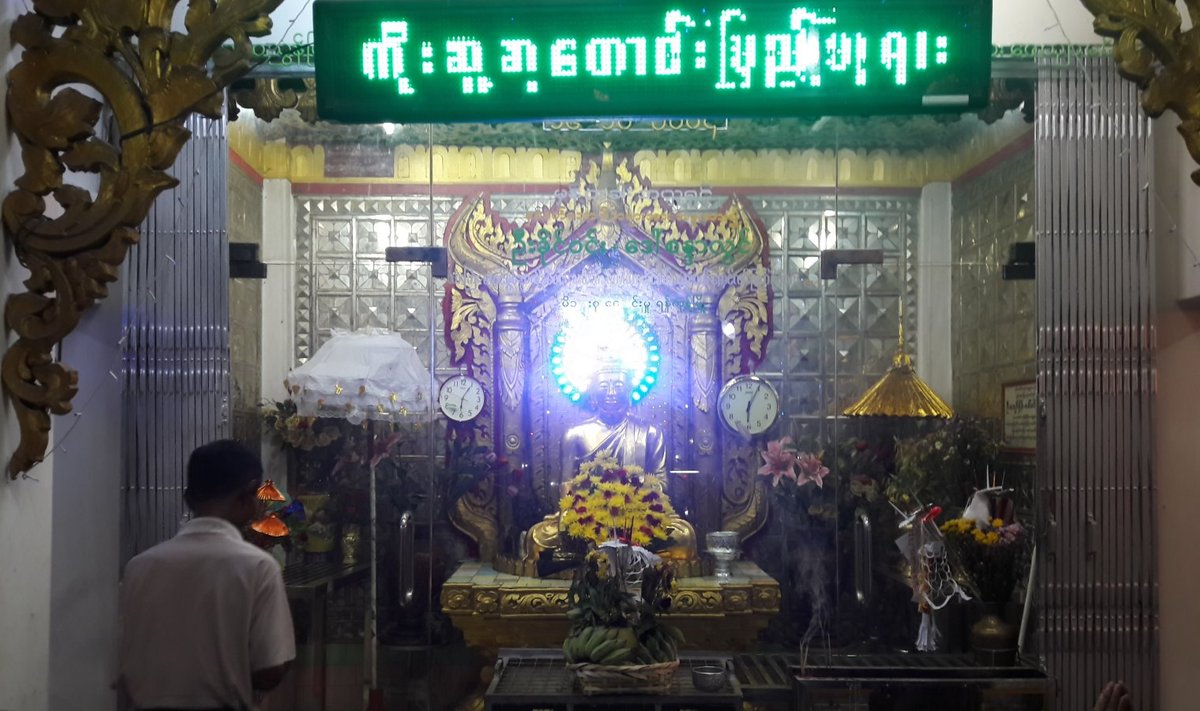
(900, 392)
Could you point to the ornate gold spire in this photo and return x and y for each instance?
(900, 392)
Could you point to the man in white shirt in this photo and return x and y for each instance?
(205, 623)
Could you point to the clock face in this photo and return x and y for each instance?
(461, 398)
(749, 405)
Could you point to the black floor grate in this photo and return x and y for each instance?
(765, 675)
(541, 679)
(765, 671)
(547, 676)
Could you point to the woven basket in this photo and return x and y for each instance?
(625, 679)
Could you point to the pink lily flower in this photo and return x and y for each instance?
(811, 470)
(778, 462)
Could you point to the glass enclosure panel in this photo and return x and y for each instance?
(684, 255)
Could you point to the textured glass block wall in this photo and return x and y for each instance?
(343, 281)
(832, 339)
(993, 319)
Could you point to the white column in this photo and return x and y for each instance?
(934, 362)
(1173, 197)
(86, 547)
(278, 331)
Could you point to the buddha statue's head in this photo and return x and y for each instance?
(609, 392)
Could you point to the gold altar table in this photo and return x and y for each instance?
(495, 610)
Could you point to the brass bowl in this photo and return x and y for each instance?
(708, 678)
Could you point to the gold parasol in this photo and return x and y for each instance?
(900, 392)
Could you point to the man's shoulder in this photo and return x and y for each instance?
(251, 555)
(260, 557)
(236, 552)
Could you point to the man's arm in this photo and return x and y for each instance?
(265, 680)
(272, 639)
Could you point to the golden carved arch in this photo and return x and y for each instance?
(1154, 51)
(505, 292)
(152, 79)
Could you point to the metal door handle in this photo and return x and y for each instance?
(407, 559)
(862, 556)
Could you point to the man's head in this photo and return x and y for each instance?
(222, 481)
(608, 393)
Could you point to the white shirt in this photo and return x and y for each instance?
(199, 614)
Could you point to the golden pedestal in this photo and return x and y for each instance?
(495, 610)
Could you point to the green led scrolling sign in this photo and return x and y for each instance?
(416, 62)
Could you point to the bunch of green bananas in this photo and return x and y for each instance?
(600, 645)
(660, 644)
(620, 645)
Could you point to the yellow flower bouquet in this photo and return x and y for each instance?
(991, 554)
(606, 502)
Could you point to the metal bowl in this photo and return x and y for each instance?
(708, 678)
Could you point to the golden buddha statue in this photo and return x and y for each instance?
(612, 432)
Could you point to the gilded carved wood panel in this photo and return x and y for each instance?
(606, 212)
(152, 79)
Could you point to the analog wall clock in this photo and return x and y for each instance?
(461, 398)
(749, 405)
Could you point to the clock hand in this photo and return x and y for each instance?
(749, 405)
(462, 399)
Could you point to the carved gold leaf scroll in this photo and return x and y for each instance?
(270, 97)
(484, 242)
(472, 312)
(1153, 51)
(469, 329)
(152, 79)
(469, 315)
(477, 243)
(748, 307)
(729, 241)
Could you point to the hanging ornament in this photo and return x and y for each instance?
(271, 526)
(900, 392)
(269, 492)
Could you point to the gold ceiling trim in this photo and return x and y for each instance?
(715, 168)
(152, 80)
(1154, 51)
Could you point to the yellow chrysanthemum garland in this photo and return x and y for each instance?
(607, 501)
(991, 554)
(989, 536)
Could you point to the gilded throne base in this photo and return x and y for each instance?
(496, 610)
(544, 537)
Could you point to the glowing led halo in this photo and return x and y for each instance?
(595, 336)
